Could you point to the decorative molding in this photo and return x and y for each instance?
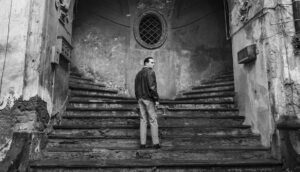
(62, 6)
(244, 11)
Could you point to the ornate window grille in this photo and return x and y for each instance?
(150, 29)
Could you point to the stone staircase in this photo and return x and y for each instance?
(200, 130)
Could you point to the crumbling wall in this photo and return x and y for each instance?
(24, 116)
(264, 87)
(27, 37)
(14, 19)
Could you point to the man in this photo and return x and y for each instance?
(146, 94)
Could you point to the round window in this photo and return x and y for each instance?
(150, 29)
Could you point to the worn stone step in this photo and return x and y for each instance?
(224, 76)
(86, 82)
(168, 141)
(203, 91)
(213, 89)
(221, 93)
(96, 94)
(80, 82)
(230, 83)
(162, 121)
(75, 85)
(81, 78)
(163, 132)
(97, 103)
(216, 95)
(134, 112)
(153, 154)
(91, 88)
(220, 80)
(88, 96)
(260, 165)
(229, 99)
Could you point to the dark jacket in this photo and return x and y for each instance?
(145, 85)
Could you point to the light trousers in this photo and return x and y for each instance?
(147, 110)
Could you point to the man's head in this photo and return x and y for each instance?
(149, 62)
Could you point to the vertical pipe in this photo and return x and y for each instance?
(296, 14)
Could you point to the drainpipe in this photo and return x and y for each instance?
(296, 14)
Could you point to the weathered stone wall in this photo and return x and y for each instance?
(28, 33)
(264, 86)
(101, 41)
(14, 21)
(196, 48)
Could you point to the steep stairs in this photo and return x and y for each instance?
(200, 130)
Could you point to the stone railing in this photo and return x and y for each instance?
(289, 132)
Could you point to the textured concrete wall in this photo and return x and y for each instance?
(196, 48)
(263, 86)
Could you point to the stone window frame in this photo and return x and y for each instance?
(163, 24)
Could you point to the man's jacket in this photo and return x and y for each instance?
(145, 85)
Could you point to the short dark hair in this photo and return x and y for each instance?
(147, 60)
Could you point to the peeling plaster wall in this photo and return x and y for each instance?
(28, 32)
(263, 93)
(196, 48)
(14, 17)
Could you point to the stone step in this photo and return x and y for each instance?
(80, 82)
(216, 95)
(160, 112)
(160, 154)
(162, 121)
(220, 80)
(163, 132)
(88, 96)
(229, 99)
(134, 101)
(91, 88)
(228, 75)
(75, 74)
(85, 82)
(213, 89)
(75, 85)
(168, 141)
(221, 93)
(78, 93)
(230, 83)
(77, 103)
(204, 91)
(81, 78)
(260, 165)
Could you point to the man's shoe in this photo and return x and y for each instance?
(156, 146)
(142, 146)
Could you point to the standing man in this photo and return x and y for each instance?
(146, 94)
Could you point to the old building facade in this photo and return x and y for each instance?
(42, 41)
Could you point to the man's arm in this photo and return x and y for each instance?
(153, 85)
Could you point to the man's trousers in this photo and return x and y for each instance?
(147, 110)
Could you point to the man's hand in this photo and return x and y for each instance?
(156, 104)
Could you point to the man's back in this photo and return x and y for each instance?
(145, 85)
